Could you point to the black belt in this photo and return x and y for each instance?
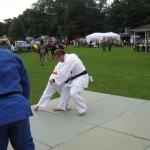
(78, 75)
(8, 94)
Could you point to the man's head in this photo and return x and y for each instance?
(59, 55)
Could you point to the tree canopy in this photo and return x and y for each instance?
(74, 18)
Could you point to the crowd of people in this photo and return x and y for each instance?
(43, 48)
(105, 42)
(141, 45)
(5, 44)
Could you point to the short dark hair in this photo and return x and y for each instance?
(59, 52)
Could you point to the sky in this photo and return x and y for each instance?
(14, 8)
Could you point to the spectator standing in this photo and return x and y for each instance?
(109, 42)
(65, 42)
(104, 44)
(42, 52)
(53, 48)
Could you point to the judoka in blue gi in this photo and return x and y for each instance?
(14, 106)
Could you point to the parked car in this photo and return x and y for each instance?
(21, 46)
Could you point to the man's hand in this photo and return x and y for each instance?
(36, 108)
(51, 81)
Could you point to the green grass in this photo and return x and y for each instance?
(119, 72)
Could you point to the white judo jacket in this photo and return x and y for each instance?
(71, 67)
(56, 70)
(53, 75)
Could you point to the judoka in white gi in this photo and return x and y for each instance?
(72, 66)
(50, 89)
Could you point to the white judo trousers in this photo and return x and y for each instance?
(74, 93)
(51, 88)
(49, 91)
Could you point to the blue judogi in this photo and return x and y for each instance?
(14, 106)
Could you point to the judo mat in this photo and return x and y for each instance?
(110, 123)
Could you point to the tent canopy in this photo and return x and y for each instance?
(99, 36)
(142, 28)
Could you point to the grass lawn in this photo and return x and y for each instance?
(119, 72)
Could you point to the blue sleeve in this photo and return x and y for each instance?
(25, 82)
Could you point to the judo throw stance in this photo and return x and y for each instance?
(75, 79)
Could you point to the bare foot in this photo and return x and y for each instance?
(67, 109)
(57, 109)
(81, 114)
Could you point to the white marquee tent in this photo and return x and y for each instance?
(99, 36)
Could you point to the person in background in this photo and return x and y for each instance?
(65, 42)
(53, 48)
(42, 52)
(14, 106)
(36, 47)
(74, 74)
(12, 46)
(104, 44)
(109, 43)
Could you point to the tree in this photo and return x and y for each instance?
(2, 26)
(15, 29)
(128, 13)
(46, 16)
(34, 23)
(82, 17)
(7, 23)
(74, 18)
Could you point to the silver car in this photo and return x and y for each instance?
(21, 46)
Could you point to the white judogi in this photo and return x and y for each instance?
(51, 88)
(72, 66)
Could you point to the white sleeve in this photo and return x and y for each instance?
(64, 72)
(56, 70)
